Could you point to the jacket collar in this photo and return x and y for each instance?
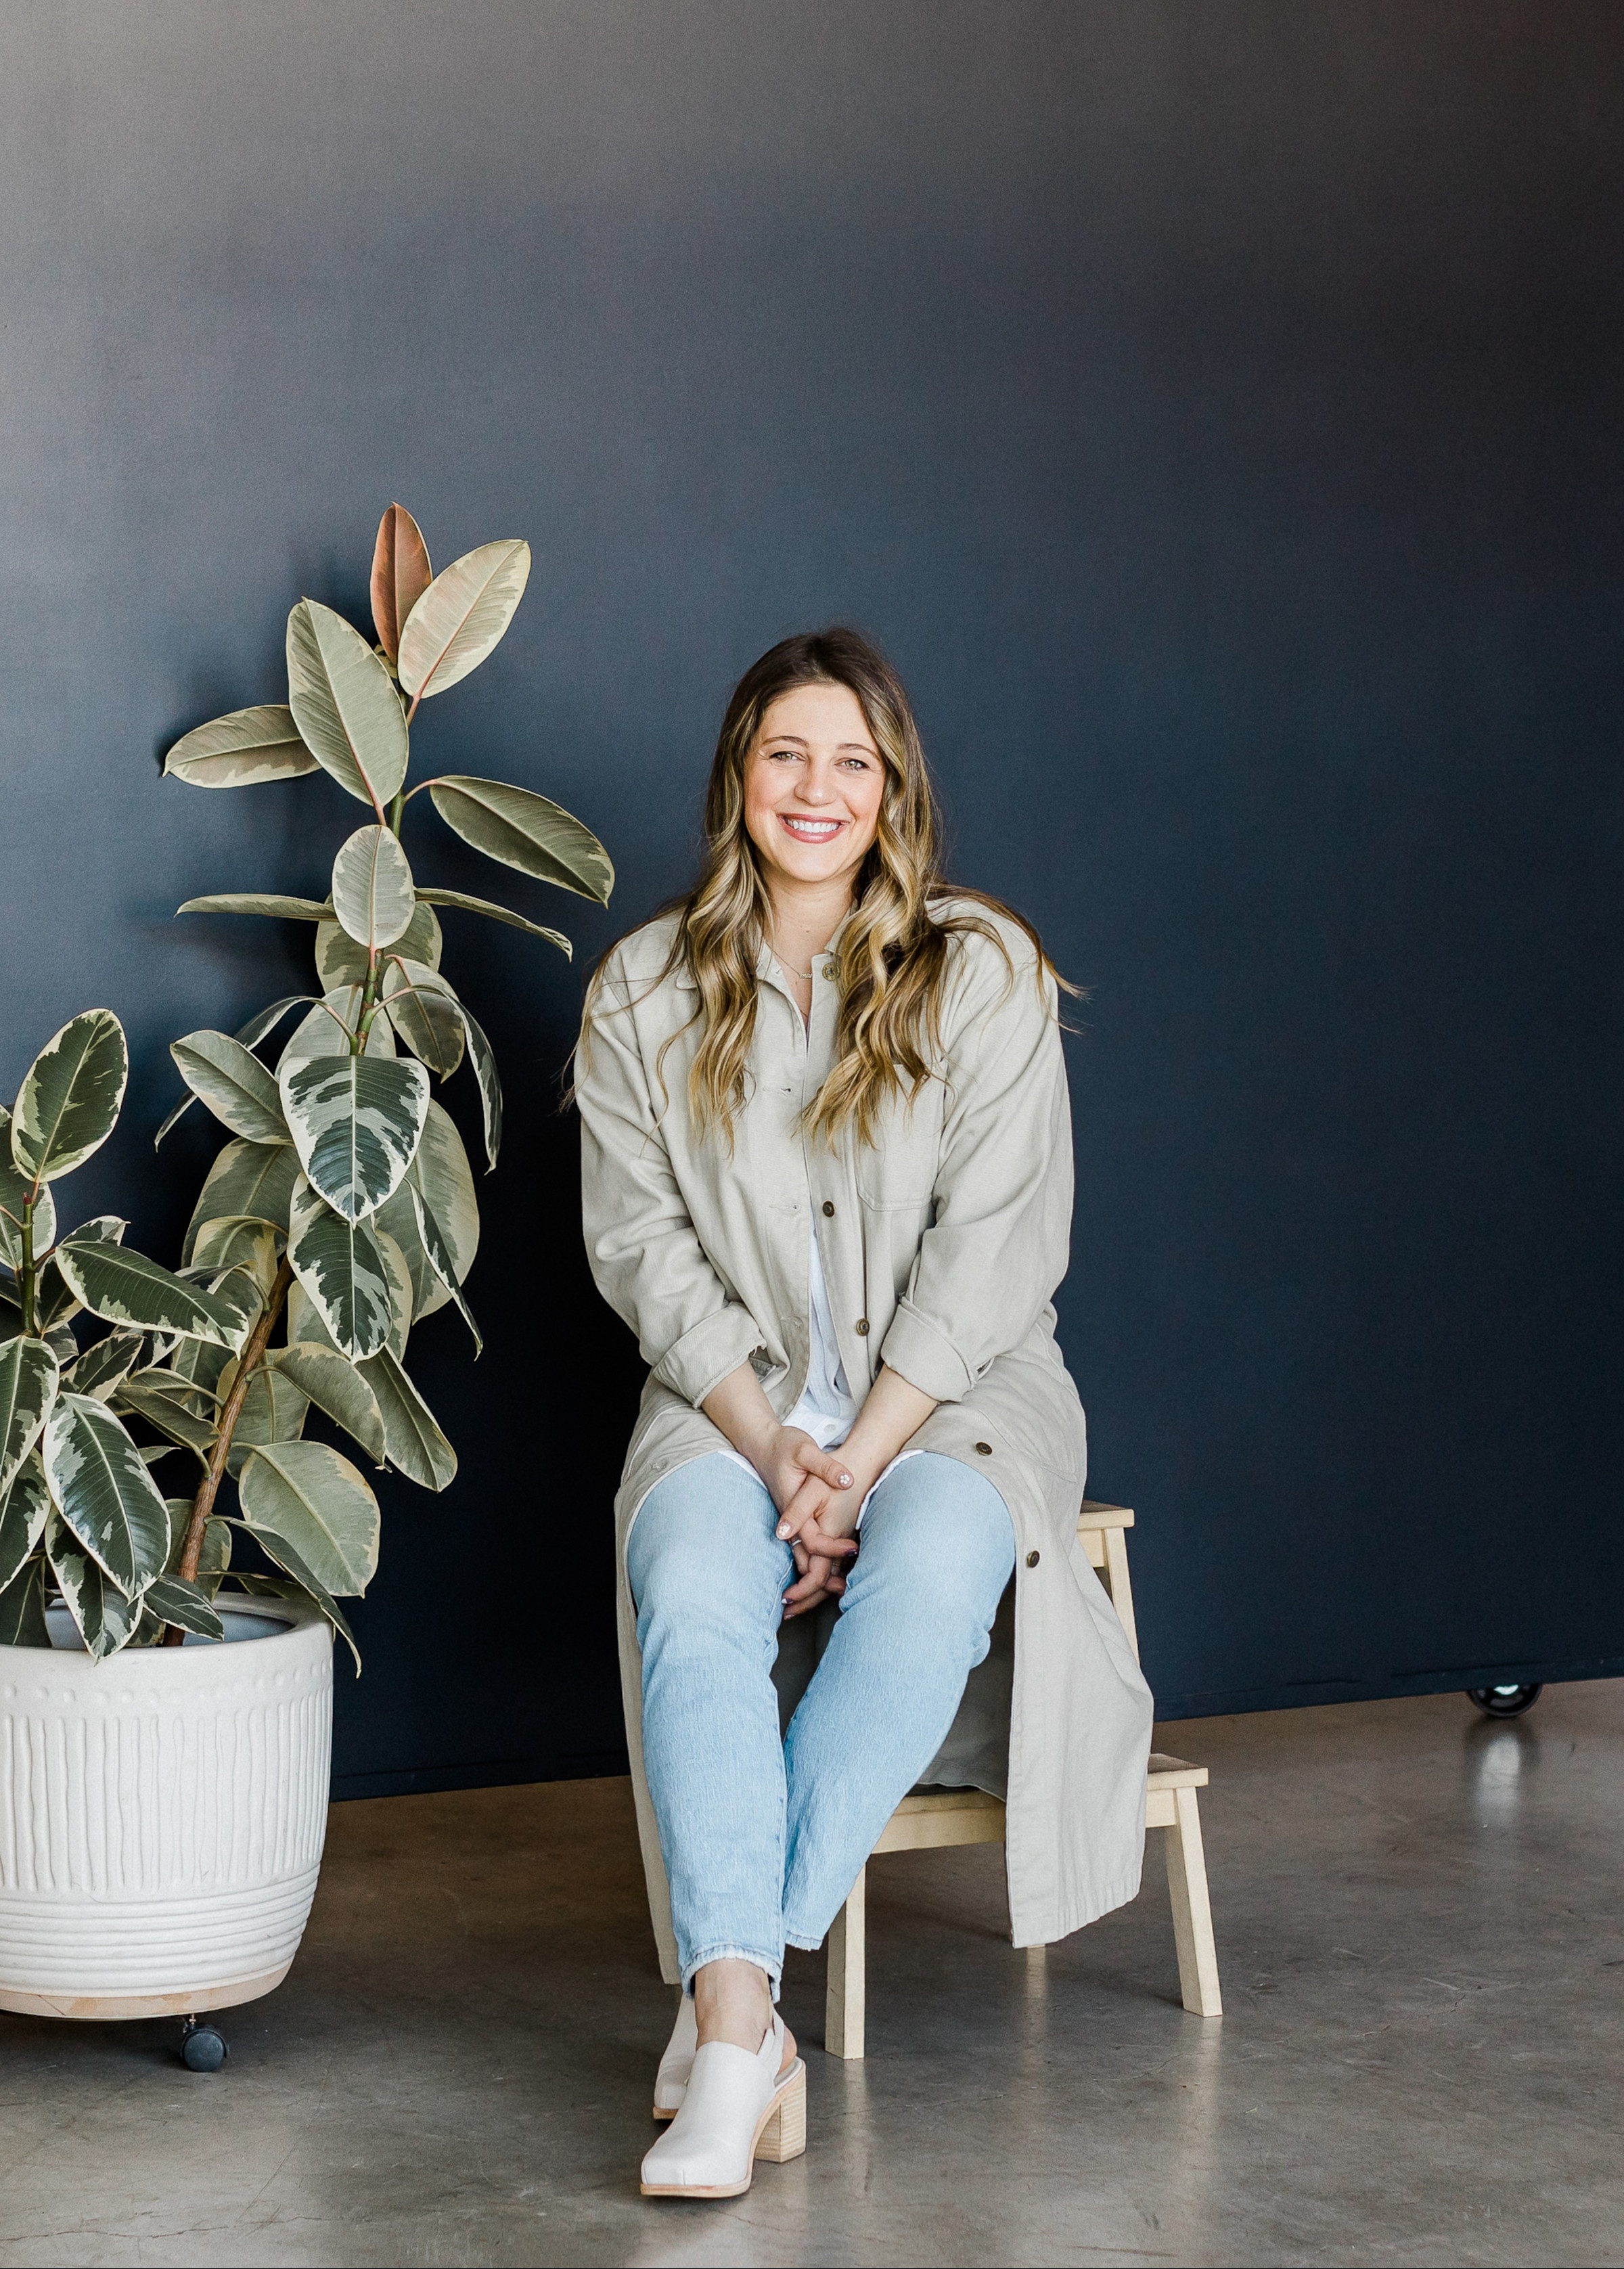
(766, 964)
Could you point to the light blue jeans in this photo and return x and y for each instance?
(762, 1838)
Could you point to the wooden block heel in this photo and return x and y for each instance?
(785, 2135)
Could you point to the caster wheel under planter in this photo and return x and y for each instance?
(202, 2048)
(1504, 1701)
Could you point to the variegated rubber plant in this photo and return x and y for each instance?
(343, 1209)
(79, 1511)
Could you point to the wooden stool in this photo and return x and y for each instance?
(933, 1818)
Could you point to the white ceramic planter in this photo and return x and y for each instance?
(162, 1816)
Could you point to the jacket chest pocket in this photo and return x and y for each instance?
(898, 1172)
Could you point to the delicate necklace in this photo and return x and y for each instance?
(804, 974)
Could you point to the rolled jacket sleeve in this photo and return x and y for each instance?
(999, 1242)
(643, 1249)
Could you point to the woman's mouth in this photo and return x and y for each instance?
(811, 831)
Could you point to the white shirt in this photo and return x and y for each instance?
(827, 1409)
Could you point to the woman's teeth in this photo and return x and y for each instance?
(812, 830)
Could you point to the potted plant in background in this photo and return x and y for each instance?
(161, 1817)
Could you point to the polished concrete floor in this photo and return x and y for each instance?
(1419, 1920)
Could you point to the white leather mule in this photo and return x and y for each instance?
(671, 2080)
(737, 2108)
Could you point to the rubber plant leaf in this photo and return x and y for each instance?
(461, 616)
(356, 1122)
(235, 1085)
(342, 1268)
(526, 830)
(444, 1266)
(22, 1609)
(273, 1410)
(174, 1600)
(239, 1241)
(492, 914)
(306, 1493)
(247, 1177)
(23, 1510)
(257, 902)
(490, 1086)
(102, 1369)
(332, 1382)
(416, 1443)
(250, 1034)
(185, 1412)
(70, 1099)
(29, 1377)
(127, 1288)
(344, 703)
(307, 1325)
(441, 1173)
(104, 1492)
(240, 750)
(341, 961)
(14, 1188)
(425, 1013)
(372, 894)
(105, 1616)
(401, 575)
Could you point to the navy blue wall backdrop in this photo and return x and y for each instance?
(1216, 409)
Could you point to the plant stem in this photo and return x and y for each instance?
(369, 1006)
(397, 808)
(28, 1272)
(202, 1503)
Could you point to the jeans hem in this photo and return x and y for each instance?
(772, 1963)
(803, 1945)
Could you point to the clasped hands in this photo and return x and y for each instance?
(818, 1495)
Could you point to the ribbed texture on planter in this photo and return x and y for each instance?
(161, 1817)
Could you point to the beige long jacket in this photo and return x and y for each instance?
(942, 1244)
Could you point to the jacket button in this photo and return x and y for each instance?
(984, 1448)
(1032, 1559)
(863, 1327)
(828, 1207)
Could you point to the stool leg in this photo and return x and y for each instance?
(846, 1994)
(1192, 1914)
(1120, 1588)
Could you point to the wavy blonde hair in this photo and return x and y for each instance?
(891, 962)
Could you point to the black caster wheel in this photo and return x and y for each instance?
(202, 2048)
(1504, 1701)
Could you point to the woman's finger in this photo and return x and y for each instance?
(825, 1463)
(818, 1579)
(825, 1543)
(813, 1504)
(831, 1590)
(808, 1502)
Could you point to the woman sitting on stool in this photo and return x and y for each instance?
(827, 1176)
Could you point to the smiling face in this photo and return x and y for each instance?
(814, 783)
